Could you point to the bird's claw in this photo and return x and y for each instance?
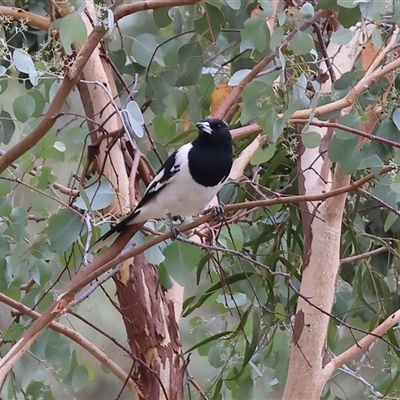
(175, 232)
(218, 212)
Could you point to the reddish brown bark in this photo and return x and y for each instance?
(152, 331)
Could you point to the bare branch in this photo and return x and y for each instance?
(31, 19)
(365, 255)
(76, 337)
(362, 345)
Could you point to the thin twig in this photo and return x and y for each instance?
(365, 255)
(234, 253)
(378, 200)
(335, 125)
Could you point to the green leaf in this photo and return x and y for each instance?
(346, 152)
(39, 102)
(17, 232)
(19, 215)
(347, 3)
(144, 47)
(311, 139)
(238, 76)
(72, 29)
(232, 233)
(7, 127)
(376, 38)
(373, 162)
(80, 378)
(217, 355)
(263, 155)
(38, 390)
(302, 43)
(234, 4)
(14, 332)
(390, 220)
(210, 23)
(41, 272)
(90, 370)
(342, 36)
(44, 178)
(40, 375)
(136, 119)
(63, 229)
(255, 35)
(5, 206)
(23, 63)
(276, 37)
(307, 12)
(24, 107)
(350, 120)
(190, 57)
(98, 195)
(180, 259)
(154, 255)
(161, 17)
(396, 118)
(232, 301)
(164, 277)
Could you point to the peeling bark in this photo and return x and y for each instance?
(152, 331)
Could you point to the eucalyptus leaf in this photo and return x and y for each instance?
(135, 118)
(72, 29)
(23, 107)
(311, 139)
(342, 36)
(63, 229)
(301, 43)
(98, 195)
(180, 260)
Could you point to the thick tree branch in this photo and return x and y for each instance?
(31, 19)
(76, 337)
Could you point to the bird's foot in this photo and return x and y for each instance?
(175, 232)
(218, 212)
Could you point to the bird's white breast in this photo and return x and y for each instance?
(181, 196)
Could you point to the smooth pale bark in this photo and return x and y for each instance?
(321, 259)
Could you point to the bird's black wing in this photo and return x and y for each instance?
(164, 175)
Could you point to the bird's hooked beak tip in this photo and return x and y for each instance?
(204, 126)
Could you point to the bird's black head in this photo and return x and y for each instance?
(214, 130)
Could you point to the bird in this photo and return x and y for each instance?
(188, 180)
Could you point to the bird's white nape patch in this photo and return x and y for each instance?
(205, 126)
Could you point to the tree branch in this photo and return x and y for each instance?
(31, 19)
(77, 338)
(365, 255)
(335, 125)
(362, 345)
(237, 91)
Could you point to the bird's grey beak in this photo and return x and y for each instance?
(204, 126)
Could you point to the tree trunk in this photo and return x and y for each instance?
(153, 332)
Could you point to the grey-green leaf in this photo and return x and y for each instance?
(99, 196)
(63, 229)
(180, 259)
